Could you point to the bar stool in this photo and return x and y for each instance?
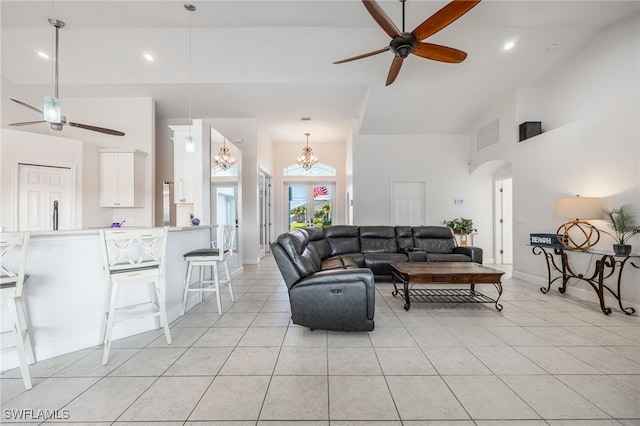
(133, 257)
(13, 260)
(202, 258)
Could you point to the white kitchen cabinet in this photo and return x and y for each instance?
(122, 180)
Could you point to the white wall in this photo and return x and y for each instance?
(591, 145)
(441, 161)
(245, 128)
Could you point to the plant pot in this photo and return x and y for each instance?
(622, 249)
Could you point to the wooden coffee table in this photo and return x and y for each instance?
(411, 273)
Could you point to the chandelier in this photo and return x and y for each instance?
(224, 159)
(307, 159)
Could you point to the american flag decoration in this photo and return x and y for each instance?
(320, 191)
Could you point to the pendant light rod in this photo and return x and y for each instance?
(57, 24)
(190, 8)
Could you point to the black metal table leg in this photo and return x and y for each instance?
(407, 303)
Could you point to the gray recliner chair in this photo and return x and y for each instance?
(341, 298)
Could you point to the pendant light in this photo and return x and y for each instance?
(224, 159)
(307, 159)
(189, 142)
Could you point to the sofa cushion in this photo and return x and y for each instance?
(295, 245)
(344, 261)
(434, 239)
(330, 263)
(342, 239)
(404, 237)
(318, 242)
(378, 239)
(379, 263)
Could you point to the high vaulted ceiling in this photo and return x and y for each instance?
(272, 60)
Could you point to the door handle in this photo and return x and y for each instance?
(55, 215)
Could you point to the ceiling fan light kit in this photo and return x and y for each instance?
(52, 111)
(404, 43)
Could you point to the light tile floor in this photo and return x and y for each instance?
(543, 360)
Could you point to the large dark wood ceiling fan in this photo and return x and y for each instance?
(59, 123)
(404, 43)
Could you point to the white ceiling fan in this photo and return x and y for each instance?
(52, 114)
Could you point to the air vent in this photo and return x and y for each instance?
(488, 135)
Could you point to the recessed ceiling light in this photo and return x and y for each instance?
(509, 45)
(552, 47)
(43, 55)
(148, 57)
(305, 118)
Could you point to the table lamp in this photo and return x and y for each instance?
(578, 234)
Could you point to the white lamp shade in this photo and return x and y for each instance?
(579, 208)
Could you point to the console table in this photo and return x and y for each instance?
(607, 265)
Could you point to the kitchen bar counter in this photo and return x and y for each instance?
(66, 293)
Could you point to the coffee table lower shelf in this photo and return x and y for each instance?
(448, 295)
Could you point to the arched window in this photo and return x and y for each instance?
(317, 170)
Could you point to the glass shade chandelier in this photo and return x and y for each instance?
(307, 159)
(224, 160)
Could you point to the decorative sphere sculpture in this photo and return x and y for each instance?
(578, 235)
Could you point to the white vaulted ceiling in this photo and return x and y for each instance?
(272, 60)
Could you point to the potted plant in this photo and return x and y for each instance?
(463, 227)
(623, 223)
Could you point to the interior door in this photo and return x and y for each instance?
(409, 203)
(504, 219)
(39, 188)
(310, 204)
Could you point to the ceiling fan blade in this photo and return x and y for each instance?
(443, 17)
(381, 18)
(394, 70)
(27, 123)
(27, 106)
(439, 53)
(96, 129)
(364, 55)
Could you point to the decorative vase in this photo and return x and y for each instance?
(463, 240)
(195, 221)
(622, 249)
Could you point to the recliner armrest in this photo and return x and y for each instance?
(414, 254)
(475, 253)
(338, 276)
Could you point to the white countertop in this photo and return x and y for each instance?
(94, 231)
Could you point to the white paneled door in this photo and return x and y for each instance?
(40, 190)
(408, 203)
(504, 218)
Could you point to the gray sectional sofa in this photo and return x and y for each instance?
(331, 271)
